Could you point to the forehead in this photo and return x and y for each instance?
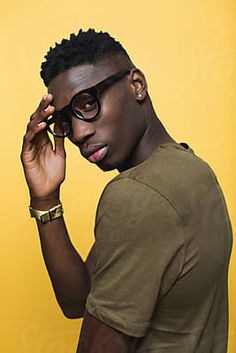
(66, 84)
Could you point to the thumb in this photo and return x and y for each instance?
(60, 146)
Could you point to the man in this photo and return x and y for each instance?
(156, 278)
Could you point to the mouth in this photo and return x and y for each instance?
(96, 154)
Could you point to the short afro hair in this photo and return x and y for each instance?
(87, 47)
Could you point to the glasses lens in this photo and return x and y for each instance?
(61, 126)
(85, 105)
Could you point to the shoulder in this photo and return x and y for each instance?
(149, 181)
(130, 210)
(170, 164)
(175, 173)
(126, 195)
(167, 182)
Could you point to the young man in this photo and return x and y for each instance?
(156, 277)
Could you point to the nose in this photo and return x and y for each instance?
(81, 131)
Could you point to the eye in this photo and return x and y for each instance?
(84, 102)
(89, 104)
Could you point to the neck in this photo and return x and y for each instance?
(154, 136)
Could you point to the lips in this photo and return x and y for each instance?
(95, 153)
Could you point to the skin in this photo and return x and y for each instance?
(125, 133)
(122, 111)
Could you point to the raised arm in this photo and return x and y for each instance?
(44, 168)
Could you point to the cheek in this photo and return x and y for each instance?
(115, 124)
(117, 110)
(121, 121)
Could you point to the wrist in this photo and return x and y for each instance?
(45, 202)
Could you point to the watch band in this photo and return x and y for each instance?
(46, 216)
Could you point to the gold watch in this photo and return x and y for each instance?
(49, 215)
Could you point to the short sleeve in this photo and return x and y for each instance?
(139, 251)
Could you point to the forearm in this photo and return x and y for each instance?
(67, 270)
(44, 165)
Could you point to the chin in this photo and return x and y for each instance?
(107, 164)
(106, 167)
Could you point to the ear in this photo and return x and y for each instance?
(139, 84)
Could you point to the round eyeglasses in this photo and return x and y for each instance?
(84, 105)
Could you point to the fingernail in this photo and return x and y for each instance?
(47, 108)
(41, 124)
(44, 98)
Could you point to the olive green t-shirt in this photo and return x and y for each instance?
(162, 248)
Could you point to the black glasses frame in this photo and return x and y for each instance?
(94, 90)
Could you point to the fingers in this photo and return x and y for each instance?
(38, 119)
(33, 131)
(43, 111)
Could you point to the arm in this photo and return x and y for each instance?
(44, 169)
(68, 273)
(97, 337)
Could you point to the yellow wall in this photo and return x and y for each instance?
(187, 49)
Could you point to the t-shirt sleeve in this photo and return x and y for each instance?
(139, 251)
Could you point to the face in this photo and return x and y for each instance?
(113, 139)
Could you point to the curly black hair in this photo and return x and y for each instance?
(87, 47)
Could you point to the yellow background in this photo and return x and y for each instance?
(187, 50)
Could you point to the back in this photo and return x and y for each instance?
(181, 257)
(192, 314)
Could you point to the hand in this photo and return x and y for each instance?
(44, 167)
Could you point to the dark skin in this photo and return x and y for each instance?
(129, 131)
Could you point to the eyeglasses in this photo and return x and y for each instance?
(84, 105)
